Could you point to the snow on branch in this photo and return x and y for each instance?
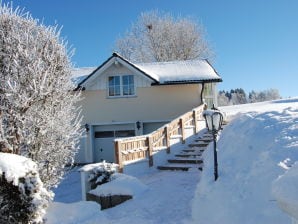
(38, 114)
(23, 196)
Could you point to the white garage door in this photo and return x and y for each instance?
(104, 136)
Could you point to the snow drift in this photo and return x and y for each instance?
(253, 150)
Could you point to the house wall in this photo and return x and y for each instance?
(151, 103)
(152, 106)
(159, 103)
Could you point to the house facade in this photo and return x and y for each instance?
(124, 99)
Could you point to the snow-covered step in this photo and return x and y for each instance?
(174, 168)
(204, 140)
(196, 150)
(198, 145)
(186, 160)
(189, 155)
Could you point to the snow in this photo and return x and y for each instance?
(159, 196)
(275, 105)
(99, 166)
(15, 167)
(257, 157)
(66, 194)
(174, 71)
(78, 212)
(23, 173)
(285, 190)
(79, 74)
(167, 200)
(250, 151)
(121, 184)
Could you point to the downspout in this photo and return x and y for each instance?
(202, 92)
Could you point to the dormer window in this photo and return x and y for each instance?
(121, 86)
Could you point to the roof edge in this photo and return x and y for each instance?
(92, 73)
(184, 82)
(114, 55)
(212, 68)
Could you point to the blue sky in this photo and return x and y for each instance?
(255, 41)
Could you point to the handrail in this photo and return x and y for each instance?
(140, 147)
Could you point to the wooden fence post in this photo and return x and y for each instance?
(195, 118)
(118, 155)
(168, 140)
(182, 130)
(150, 150)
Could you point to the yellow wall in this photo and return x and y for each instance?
(151, 103)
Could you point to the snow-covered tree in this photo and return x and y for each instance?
(253, 96)
(38, 116)
(223, 99)
(161, 37)
(272, 94)
(238, 96)
(265, 95)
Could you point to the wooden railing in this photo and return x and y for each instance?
(141, 147)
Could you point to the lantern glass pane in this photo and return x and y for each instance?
(209, 122)
(217, 121)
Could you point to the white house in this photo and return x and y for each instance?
(122, 99)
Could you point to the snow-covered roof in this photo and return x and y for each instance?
(79, 74)
(161, 73)
(180, 71)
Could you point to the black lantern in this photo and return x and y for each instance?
(214, 122)
(138, 123)
(87, 127)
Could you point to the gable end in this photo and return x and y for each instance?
(114, 58)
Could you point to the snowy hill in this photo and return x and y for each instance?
(258, 145)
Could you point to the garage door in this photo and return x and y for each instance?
(104, 136)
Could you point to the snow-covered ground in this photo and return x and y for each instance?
(257, 147)
(167, 199)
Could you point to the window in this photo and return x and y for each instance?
(121, 85)
(114, 86)
(126, 133)
(113, 134)
(104, 134)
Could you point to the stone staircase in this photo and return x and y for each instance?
(190, 157)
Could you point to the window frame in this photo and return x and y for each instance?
(122, 86)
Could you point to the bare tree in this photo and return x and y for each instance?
(38, 117)
(161, 37)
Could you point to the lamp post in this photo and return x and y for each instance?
(213, 122)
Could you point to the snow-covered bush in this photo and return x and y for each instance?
(38, 116)
(23, 199)
(101, 173)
